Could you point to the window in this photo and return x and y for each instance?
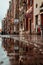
(36, 5)
(36, 18)
(26, 24)
(21, 26)
(30, 2)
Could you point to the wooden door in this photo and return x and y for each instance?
(42, 19)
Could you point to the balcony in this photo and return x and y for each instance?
(41, 9)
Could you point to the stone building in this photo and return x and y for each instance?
(38, 13)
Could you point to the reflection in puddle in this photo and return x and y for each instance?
(3, 55)
(12, 48)
(19, 53)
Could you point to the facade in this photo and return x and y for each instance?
(8, 22)
(38, 13)
(22, 10)
(24, 16)
(29, 17)
(4, 26)
(34, 16)
(11, 18)
(16, 16)
(22, 19)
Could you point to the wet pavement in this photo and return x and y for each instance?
(27, 50)
(4, 60)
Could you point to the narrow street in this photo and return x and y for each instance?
(21, 32)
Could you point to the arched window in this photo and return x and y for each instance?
(36, 5)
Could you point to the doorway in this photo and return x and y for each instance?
(41, 19)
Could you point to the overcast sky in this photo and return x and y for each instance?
(4, 4)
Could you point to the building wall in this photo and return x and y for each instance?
(4, 26)
(22, 11)
(37, 4)
(29, 16)
(10, 18)
(16, 16)
(14, 8)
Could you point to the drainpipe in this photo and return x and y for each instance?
(30, 27)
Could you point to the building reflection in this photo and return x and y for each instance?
(12, 48)
(21, 53)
